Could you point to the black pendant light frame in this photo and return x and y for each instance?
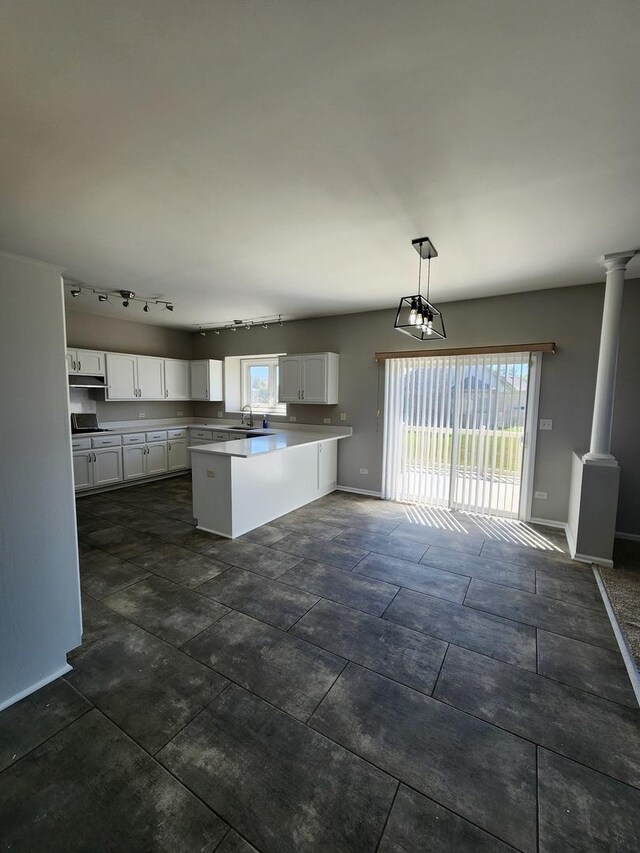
(428, 322)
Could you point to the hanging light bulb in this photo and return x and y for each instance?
(413, 313)
(429, 323)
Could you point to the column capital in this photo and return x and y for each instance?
(618, 260)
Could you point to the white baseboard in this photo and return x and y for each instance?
(627, 657)
(549, 522)
(366, 492)
(634, 537)
(32, 688)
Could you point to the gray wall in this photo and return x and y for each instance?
(91, 331)
(39, 584)
(569, 316)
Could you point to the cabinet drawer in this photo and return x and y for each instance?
(134, 438)
(80, 443)
(205, 434)
(106, 441)
(176, 433)
(222, 436)
(157, 436)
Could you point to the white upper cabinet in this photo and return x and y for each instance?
(177, 379)
(85, 362)
(122, 377)
(206, 380)
(309, 378)
(134, 377)
(289, 378)
(150, 378)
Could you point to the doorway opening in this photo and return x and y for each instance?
(458, 431)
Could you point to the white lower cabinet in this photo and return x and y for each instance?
(177, 454)
(133, 461)
(156, 458)
(93, 468)
(82, 470)
(145, 460)
(107, 466)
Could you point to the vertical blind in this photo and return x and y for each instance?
(454, 430)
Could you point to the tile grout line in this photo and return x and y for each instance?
(386, 820)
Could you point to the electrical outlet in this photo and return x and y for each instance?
(179, 414)
(210, 473)
(343, 416)
(220, 414)
(546, 423)
(542, 496)
(141, 414)
(293, 419)
(364, 470)
(326, 420)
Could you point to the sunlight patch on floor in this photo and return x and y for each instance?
(508, 530)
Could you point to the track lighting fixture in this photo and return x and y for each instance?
(127, 296)
(247, 324)
(416, 315)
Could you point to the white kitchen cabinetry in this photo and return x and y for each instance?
(145, 460)
(309, 378)
(150, 378)
(82, 469)
(177, 379)
(206, 380)
(100, 467)
(122, 377)
(85, 362)
(107, 466)
(177, 454)
(134, 377)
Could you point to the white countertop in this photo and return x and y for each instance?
(158, 427)
(279, 440)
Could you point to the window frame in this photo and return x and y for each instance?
(271, 362)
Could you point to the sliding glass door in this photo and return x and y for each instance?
(455, 431)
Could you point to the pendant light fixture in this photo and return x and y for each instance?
(417, 316)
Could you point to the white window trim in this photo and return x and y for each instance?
(271, 361)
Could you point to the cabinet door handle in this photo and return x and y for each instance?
(206, 394)
(79, 365)
(303, 393)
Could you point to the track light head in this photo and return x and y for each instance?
(102, 297)
(127, 294)
(216, 331)
(125, 303)
(169, 306)
(265, 325)
(233, 329)
(146, 308)
(76, 292)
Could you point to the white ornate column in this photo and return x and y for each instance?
(600, 447)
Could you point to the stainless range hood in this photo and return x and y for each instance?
(86, 382)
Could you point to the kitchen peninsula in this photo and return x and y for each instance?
(243, 484)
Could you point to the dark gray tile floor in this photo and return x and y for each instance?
(356, 677)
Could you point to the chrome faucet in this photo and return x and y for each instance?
(250, 421)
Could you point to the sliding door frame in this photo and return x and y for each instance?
(530, 436)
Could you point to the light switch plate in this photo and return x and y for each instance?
(220, 414)
(179, 414)
(364, 470)
(343, 416)
(326, 420)
(546, 423)
(541, 496)
(293, 419)
(141, 414)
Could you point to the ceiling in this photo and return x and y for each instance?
(249, 158)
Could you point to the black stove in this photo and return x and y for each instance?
(85, 422)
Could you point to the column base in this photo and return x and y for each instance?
(600, 459)
(593, 506)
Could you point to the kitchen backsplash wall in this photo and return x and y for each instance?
(131, 411)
